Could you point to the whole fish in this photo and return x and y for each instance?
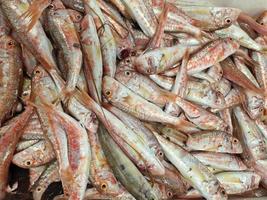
(125, 99)
(222, 161)
(108, 45)
(92, 55)
(214, 141)
(125, 170)
(138, 127)
(10, 75)
(101, 175)
(196, 173)
(63, 32)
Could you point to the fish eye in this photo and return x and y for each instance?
(127, 61)
(228, 20)
(235, 141)
(37, 72)
(38, 189)
(169, 194)
(148, 71)
(108, 93)
(51, 6)
(160, 154)
(26, 93)
(103, 186)
(223, 192)
(78, 17)
(28, 162)
(11, 43)
(127, 73)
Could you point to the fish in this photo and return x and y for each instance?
(48, 176)
(9, 137)
(63, 32)
(10, 75)
(196, 173)
(223, 161)
(214, 141)
(36, 155)
(211, 18)
(125, 170)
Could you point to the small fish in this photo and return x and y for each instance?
(223, 161)
(63, 32)
(214, 141)
(125, 170)
(92, 55)
(211, 18)
(191, 168)
(125, 99)
(10, 75)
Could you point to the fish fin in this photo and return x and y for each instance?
(34, 12)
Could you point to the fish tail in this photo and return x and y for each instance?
(34, 12)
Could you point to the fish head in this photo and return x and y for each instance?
(75, 16)
(24, 159)
(224, 16)
(110, 87)
(125, 76)
(263, 18)
(38, 191)
(236, 145)
(8, 46)
(125, 64)
(56, 4)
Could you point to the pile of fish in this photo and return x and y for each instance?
(133, 99)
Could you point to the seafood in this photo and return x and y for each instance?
(131, 99)
(11, 75)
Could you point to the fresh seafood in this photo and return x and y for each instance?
(132, 99)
